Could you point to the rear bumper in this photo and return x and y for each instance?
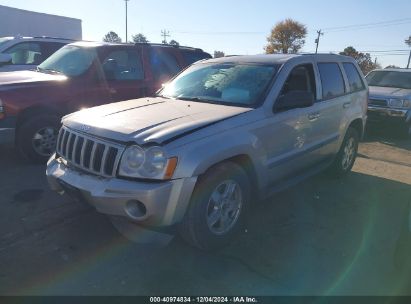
(165, 202)
(7, 130)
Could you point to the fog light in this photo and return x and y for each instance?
(135, 209)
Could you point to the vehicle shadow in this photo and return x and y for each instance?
(392, 135)
(323, 236)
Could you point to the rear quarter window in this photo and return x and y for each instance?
(163, 64)
(191, 56)
(332, 80)
(354, 78)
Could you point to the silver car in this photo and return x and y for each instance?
(221, 135)
(26, 53)
(390, 95)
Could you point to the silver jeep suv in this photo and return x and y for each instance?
(221, 135)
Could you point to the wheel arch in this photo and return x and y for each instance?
(245, 162)
(358, 125)
(36, 111)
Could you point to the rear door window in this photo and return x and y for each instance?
(354, 78)
(26, 53)
(332, 80)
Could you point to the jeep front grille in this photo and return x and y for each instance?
(378, 102)
(89, 153)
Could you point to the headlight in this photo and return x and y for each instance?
(406, 103)
(396, 103)
(151, 163)
(132, 160)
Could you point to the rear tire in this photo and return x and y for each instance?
(218, 207)
(344, 161)
(37, 137)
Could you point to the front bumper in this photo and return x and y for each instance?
(7, 130)
(165, 201)
(382, 114)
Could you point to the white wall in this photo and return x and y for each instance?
(15, 22)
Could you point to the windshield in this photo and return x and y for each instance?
(69, 60)
(4, 39)
(390, 79)
(228, 83)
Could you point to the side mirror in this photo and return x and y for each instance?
(293, 100)
(5, 59)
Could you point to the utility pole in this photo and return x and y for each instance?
(126, 1)
(165, 34)
(317, 41)
(408, 42)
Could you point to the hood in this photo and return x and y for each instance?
(387, 92)
(27, 77)
(148, 119)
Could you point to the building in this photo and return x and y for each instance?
(17, 22)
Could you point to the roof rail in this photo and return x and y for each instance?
(169, 45)
(57, 38)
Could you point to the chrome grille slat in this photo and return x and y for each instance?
(66, 148)
(59, 138)
(89, 153)
(116, 163)
(93, 156)
(83, 149)
(104, 159)
(73, 154)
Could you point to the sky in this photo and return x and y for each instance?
(241, 27)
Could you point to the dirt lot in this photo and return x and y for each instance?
(323, 236)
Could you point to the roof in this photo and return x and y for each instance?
(98, 44)
(403, 70)
(274, 58)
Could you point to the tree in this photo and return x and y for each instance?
(392, 66)
(218, 54)
(363, 59)
(287, 36)
(139, 38)
(112, 37)
(173, 42)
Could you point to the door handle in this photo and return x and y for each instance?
(313, 116)
(112, 91)
(346, 105)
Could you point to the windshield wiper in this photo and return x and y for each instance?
(164, 96)
(199, 99)
(49, 71)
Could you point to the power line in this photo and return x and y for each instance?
(382, 23)
(367, 27)
(382, 51)
(219, 33)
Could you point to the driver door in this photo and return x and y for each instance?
(289, 133)
(124, 76)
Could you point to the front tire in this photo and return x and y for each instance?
(347, 154)
(218, 207)
(37, 137)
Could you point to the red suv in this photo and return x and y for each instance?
(80, 75)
